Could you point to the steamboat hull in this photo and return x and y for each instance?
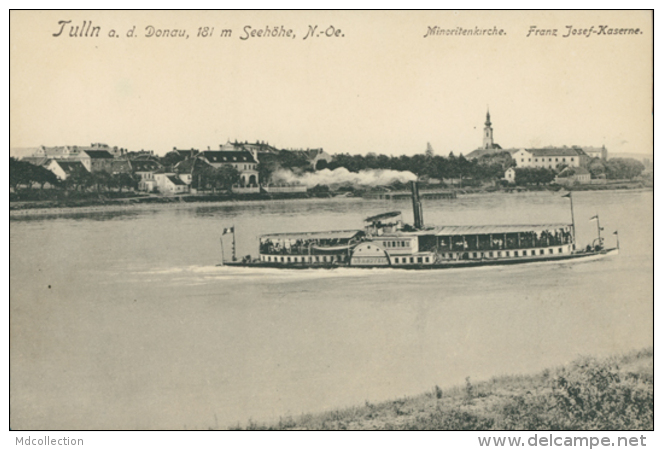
(573, 257)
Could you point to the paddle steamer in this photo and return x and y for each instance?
(385, 241)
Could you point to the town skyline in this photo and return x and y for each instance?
(372, 90)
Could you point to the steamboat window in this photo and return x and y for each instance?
(427, 259)
(515, 253)
(474, 255)
(551, 251)
(560, 250)
(288, 259)
(490, 254)
(499, 253)
(419, 260)
(508, 253)
(317, 259)
(281, 258)
(411, 260)
(541, 252)
(396, 260)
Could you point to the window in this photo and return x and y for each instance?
(522, 160)
(551, 251)
(571, 159)
(281, 258)
(515, 253)
(420, 259)
(317, 259)
(556, 159)
(536, 159)
(560, 250)
(427, 259)
(541, 252)
(508, 253)
(411, 260)
(396, 260)
(490, 254)
(563, 159)
(288, 259)
(499, 253)
(549, 159)
(529, 160)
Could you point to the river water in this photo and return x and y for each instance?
(122, 320)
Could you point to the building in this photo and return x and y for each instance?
(596, 152)
(316, 155)
(145, 170)
(242, 160)
(550, 157)
(170, 183)
(510, 175)
(102, 160)
(64, 169)
(573, 175)
(73, 151)
(488, 142)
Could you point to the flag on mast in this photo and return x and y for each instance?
(567, 195)
(594, 218)
(615, 232)
(228, 230)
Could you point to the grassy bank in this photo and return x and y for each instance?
(615, 393)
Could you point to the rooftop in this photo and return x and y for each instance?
(98, 154)
(342, 234)
(221, 156)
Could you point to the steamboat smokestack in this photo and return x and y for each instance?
(416, 207)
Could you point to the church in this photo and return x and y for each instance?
(548, 157)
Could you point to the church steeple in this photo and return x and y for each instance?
(488, 133)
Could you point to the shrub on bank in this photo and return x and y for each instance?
(589, 394)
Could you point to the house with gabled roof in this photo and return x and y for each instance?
(63, 169)
(170, 183)
(145, 170)
(573, 175)
(103, 160)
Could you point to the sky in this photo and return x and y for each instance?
(376, 85)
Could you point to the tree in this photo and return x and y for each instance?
(42, 175)
(101, 178)
(227, 175)
(618, 168)
(535, 176)
(122, 180)
(20, 173)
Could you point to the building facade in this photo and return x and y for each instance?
(242, 160)
(550, 158)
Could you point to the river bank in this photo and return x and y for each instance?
(103, 204)
(615, 393)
